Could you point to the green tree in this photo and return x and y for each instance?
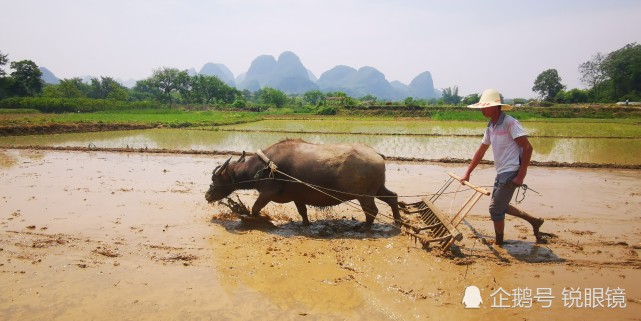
(168, 81)
(4, 59)
(471, 99)
(229, 94)
(26, 76)
(95, 89)
(548, 84)
(409, 101)
(184, 84)
(5, 82)
(341, 98)
(205, 88)
(67, 88)
(272, 96)
(369, 98)
(208, 89)
(105, 88)
(623, 68)
(313, 97)
(50, 91)
(593, 74)
(247, 95)
(145, 89)
(572, 96)
(73, 88)
(450, 95)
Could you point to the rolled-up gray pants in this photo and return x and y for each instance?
(501, 195)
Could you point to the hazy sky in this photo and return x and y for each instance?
(473, 44)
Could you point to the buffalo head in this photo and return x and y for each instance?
(223, 180)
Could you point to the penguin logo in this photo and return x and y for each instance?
(472, 298)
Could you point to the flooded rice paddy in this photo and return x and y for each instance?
(592, 129)
(593, 143)
(123, 236)
(103, 236)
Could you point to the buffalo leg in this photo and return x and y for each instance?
(262, 201)
(369, 207)
(302, 210)
(391, 199)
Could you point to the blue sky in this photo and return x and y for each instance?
(471, 44)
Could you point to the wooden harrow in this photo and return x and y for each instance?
(434, 226)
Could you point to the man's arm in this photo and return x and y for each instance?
(478, 156)
(526, 155)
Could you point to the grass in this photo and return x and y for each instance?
(18, 111)
(459, 121)
(170, 117)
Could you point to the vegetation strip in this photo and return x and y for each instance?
(21, 130)
(93, 148)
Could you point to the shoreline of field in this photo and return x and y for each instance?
(91, 148)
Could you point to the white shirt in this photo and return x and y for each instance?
(507, 153)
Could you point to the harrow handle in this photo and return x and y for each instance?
(470, 185)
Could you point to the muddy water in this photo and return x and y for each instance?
(107, 236)
(586, 150)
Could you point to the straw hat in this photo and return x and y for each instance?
(490, 98)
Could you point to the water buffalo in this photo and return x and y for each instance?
(344, 171)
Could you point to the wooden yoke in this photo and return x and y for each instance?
(267, 161)
(262, 156)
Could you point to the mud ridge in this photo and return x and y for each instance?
(45, 129)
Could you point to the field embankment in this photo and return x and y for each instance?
(33, 122)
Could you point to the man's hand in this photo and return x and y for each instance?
(465, 178)
(518, 180)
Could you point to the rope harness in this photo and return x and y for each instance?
(523, 187)
(274, 169)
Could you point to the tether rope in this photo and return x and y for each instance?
(337, 191)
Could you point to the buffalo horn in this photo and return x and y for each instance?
(222, 168)
(242, 158)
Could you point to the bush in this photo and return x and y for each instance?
(67, 105)
(239, 103)
(327, 111)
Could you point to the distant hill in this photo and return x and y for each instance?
(357, 83)
(258, 73)
(423, 86)
(219, 70)
(402, 89)
(337, 78)
(48, 77)
(368, 80)
(288, 74)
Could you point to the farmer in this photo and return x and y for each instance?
(512, 152)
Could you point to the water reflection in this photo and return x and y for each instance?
(588, 150)
(432, 127)
(7, 159)
(425, 127)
